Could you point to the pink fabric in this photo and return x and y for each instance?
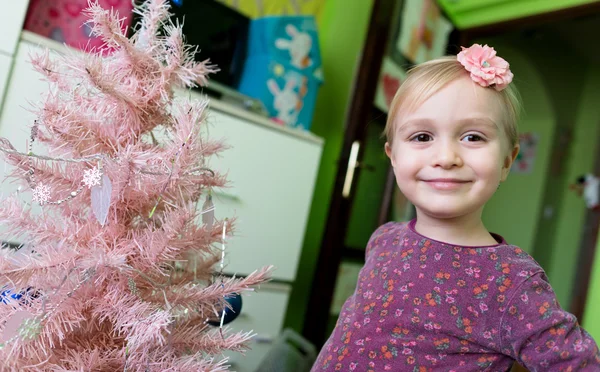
(486, 68)
(65, 20)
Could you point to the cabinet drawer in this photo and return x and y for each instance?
(263, 313)
(272, 176)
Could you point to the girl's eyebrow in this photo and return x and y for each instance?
(413, 123)
(418, 122)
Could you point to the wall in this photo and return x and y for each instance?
(513, 211)
(581, 160)
(591, 321)
(342, 31)
(563, 88)
(471, 13)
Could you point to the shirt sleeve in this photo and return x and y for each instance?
(542, 336)
(376, 236)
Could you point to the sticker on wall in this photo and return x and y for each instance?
(390, 79)
(424, 31)
(527, 154)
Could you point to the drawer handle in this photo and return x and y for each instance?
(263, 339)
(227, 195)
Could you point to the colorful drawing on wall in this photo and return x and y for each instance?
(423, 32)
(527, 154)
(390, 79)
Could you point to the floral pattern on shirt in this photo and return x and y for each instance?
(423, 305)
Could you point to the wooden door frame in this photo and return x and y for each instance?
(357, 116)
(587, 253)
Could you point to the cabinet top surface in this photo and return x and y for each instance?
(214, 104)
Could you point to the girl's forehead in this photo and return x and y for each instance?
(459, 100)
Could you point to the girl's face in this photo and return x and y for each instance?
(451, 153)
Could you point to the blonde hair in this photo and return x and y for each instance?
(426, 79)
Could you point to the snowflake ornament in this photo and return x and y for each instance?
(92, 177)
(41, 194)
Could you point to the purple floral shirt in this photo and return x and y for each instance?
(423, 305)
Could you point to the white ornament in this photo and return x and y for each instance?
(92, 177)
(41, 194)
(591, 189)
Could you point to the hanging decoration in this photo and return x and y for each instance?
(588, 186)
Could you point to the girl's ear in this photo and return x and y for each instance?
(508, 162)
(389, 153)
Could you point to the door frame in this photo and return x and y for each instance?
(357, 117)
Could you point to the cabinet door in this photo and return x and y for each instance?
(262, 313)
(23, 90)
(5, 64)
(11, 24)
(272, 176)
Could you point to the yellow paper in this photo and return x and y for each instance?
(262, 8)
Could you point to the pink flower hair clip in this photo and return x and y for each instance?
(486, 68)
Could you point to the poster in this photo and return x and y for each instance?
(424, 31)
(526, 158)
(390, 79)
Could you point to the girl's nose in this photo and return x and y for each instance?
(447, 156)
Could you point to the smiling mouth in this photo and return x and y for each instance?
(446, 183)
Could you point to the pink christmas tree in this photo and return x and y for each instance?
(120, 268)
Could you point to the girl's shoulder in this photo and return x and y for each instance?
(388, 233)
(520, 263)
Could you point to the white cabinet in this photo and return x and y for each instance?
(23, 91)
(5, 64)
(271, 176)
(12, 15)
(262, 313)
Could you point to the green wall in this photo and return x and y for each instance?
(565, 90)
(513, 211)
(572, 215)
(563, 86)
(342, 31)
(591, 320)
(471, 13)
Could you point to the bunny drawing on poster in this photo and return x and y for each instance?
(283, 68)
(299, 46)
(285, 101)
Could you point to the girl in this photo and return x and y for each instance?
(441, 293)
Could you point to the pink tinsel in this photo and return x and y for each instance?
(135, 293)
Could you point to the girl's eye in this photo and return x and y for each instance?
(473, 138)
(421, 138)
